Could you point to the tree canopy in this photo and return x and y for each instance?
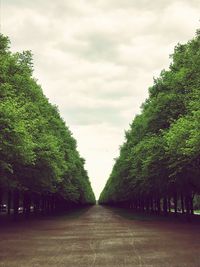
(38, 154)
(160, 158)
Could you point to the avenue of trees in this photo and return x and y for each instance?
(40, 167)
(159, 164)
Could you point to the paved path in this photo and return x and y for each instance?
(99, 237)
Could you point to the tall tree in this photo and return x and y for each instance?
(39, 162)
(159, 162)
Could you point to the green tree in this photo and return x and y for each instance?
(39, 162)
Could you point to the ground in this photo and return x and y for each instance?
(100, 237)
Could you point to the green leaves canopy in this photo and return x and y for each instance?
(161, 153)
(37, 150)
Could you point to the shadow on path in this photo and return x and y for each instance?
(100, 237)
(139, 216)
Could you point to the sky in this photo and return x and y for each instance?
(96, 59)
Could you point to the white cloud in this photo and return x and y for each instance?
(96, 60)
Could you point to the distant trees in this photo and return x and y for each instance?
(39, 162)
(159, 163)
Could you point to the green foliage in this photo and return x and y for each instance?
(37, 151)
(161, 154)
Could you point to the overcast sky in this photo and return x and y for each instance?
(95, 60)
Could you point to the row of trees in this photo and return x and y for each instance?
(40, 166)
(159, 163)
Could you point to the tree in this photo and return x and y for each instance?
(39, 162)
(160, 159)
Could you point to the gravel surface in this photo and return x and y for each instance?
(99, 237)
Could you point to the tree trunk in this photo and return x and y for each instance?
(158, 205)
(43, 204)
(142, 205)
(187, 205)
(175, 203)
(16, 202)
(169, 204)
(36, 204)
(9, 202)
(165, 205)
(147, 205)
(191, 205)
(26, 204)
(151, 205)
(52, 204)
(1, 198)
(182, 204)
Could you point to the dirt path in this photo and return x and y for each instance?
(99, 237)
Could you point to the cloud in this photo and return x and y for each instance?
(96, 60)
